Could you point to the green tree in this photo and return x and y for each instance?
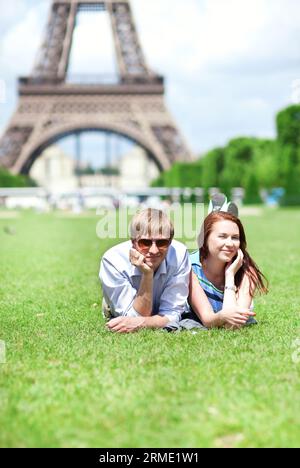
(238, 160)
(159, 181)
(267, 163)
(288, 130)
(288, 126)
(291, 175)
(252, 189)
(7, 179)
(181, 175)
(110, 171)
(212, 168)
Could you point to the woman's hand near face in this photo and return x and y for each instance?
(233, 267)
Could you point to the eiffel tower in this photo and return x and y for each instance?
(51, 108)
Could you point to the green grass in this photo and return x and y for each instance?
(67, 382)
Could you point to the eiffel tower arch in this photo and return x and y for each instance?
(50, 107)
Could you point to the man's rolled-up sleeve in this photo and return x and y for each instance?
(117, 290)
(176, 291)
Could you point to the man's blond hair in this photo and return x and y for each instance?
(151, 223)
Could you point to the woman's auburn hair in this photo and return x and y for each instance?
(256, 278)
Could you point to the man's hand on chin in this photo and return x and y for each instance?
(138, 260)
(126, 324)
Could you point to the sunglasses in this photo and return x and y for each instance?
(161, 244)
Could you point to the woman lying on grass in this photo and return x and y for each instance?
(224, 278)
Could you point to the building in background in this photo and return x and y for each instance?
(56, 171)
(137, 170)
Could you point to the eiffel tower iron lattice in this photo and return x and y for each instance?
(50, 107)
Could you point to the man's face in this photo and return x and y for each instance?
(153, 249)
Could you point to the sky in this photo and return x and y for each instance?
(229, 65)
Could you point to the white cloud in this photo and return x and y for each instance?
(198, 35)
(255, 104)
(10, 11)
(19, 46)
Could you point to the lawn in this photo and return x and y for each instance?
(67, 382)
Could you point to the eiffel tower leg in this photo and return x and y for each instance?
(52, 61)
(12, 142)
(130, 56)
(25, 126)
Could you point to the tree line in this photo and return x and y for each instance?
(251, 163)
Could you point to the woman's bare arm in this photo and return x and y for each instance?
(201, 305)
(245, 293)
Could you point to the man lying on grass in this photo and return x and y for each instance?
(145, 281)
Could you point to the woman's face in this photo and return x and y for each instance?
(224, 241)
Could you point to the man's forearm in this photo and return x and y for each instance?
(133, 324)
(143, 302)
(156, 321)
